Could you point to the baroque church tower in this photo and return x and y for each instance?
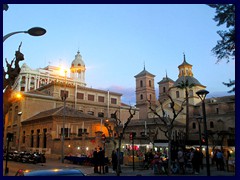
(144, 91)
(78, 69)
(164, 86)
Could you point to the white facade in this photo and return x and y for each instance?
(30, 79)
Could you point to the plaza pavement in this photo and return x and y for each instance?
(88, 170)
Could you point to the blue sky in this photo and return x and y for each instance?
(116, 41)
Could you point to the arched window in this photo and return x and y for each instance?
(100, 114)
(150, 96)
(141, 96)
(164, 89)
(177, 94)
(194, 125)
(150, 83)
(211, 124)
(141, 83)
(190, 93)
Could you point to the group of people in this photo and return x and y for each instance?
(99, 160)
(188, 161)
(218, 158)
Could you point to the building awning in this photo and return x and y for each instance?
(161, 144)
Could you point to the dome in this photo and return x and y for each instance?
(78, 62)
(191, 80)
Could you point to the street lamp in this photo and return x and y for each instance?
(64, 97)
(18, 135)
(35, 31)
(199, 120)
(202, 95)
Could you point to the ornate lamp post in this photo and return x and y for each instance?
(202, 95)
(35, 31)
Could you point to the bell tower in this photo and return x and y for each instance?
(78, 69)
(145, 91)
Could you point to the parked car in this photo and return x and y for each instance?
(51, 172)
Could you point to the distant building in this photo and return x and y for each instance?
(43, 90)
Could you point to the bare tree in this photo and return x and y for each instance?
(120, 134)
(166, 124)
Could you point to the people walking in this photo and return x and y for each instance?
(114, 160)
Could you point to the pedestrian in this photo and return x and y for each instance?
(101, 158)
(95, 160)
(227, 159)
(114, 160)
(220, 160)
(181, 161)
(196, 161)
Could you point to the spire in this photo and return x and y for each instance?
(144, 65)
(184, 58)
(166, 74)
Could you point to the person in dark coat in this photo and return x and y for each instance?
(95, 160)
(114, 160)
(196, 161)
(101, 158)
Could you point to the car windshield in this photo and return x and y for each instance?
(51, 172)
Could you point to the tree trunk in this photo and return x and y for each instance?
(119, 153)
(187, 116)
(169, 151)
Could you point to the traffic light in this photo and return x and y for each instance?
(132, 135)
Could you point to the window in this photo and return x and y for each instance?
(113, 101)
(194, 125)
(38, 138)
(164, 89)
(100, 98)
(177, 94)
(22, 88)
(191, 93)
(217, 110)
(100, 114)
(90, 97)
(91, 113)
(141, 83)
(150, 83)
(141, 96)
(150, 96)
(80, 95)
(113, 115)
(31, 140)
(211, 125)
(63, 93)
(81, 131)
(66, 130)
(45, 138)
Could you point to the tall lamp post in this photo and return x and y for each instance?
(35, 31)
(199, 120)
(202, 95)
(64, 97)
